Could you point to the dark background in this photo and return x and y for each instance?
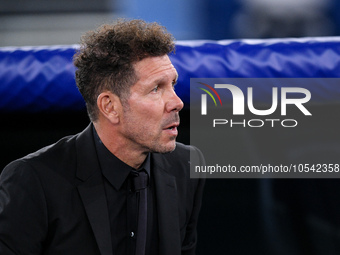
(239, 216)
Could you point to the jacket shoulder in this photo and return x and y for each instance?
(54, 152)
(60, 155)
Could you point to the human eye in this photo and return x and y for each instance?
(155, 89)
(174, 82)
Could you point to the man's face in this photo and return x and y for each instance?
(150, 117)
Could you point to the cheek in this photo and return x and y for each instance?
(144, 120)
(150, 112)
(147, 111)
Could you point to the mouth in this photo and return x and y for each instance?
(172, 126)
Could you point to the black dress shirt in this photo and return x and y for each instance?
(123, 203)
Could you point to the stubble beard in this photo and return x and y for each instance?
(136, 134)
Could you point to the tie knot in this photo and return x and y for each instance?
(140, 180)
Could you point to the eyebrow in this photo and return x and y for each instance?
(164, 78)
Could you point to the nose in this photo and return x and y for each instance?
(174, 103)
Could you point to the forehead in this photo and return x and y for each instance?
(155, 68)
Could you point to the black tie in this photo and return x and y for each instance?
(140, 182)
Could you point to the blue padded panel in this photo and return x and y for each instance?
(41, 79)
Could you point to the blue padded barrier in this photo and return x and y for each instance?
(41, 79)
(279, 58)
(38, 79)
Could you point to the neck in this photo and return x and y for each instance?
(130, 156)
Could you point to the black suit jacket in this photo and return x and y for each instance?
(53, 201)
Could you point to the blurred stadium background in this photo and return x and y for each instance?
(40, 22)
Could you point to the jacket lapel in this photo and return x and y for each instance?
(167, 207)
(92, 191)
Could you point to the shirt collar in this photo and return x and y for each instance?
(115, 170)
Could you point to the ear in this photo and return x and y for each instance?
(109, 106)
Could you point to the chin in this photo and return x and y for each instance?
(165, 148)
